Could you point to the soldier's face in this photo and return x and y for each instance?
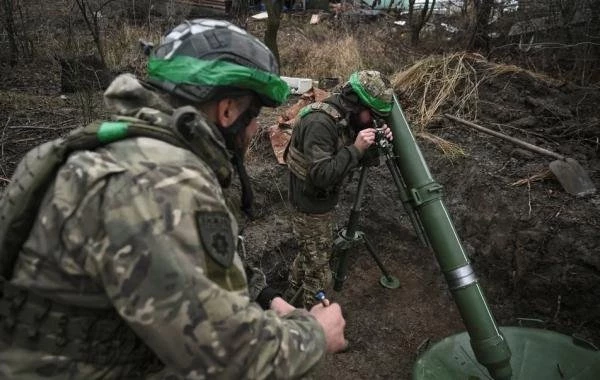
(365, 117)
(239, 116)
(361, 120)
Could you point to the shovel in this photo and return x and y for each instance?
(567, 171)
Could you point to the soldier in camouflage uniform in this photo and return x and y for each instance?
(118, 254)
(329, 141)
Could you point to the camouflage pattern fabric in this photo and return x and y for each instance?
(142, 226)
(310, 270)
(257, 280)
(376, 85)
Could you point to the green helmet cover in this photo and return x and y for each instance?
(372, 90)
(182, 69)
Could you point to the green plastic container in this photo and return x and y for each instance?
(536, 355)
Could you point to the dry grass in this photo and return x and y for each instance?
(123, 50)
(316, 59)
(496, 69)
(448, 148)
(435, 82)
(331, 49)
(449, 83)
(541, 176)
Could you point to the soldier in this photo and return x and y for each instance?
(118, 254)
(328, 142)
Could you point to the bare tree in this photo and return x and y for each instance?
(239, 12)
(479, 28)
(91, 13)
(9, 26)
(417, 18)
(274, 8)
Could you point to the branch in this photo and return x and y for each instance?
(105, 4)
(82, 4)
(2, 144)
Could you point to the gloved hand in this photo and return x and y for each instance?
(371, 157)
(266, 296)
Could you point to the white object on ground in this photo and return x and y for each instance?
(260, 16)
(298, 85)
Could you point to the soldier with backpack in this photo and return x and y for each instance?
(118, 254)
(331, 139)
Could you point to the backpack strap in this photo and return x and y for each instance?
(321, 107)
(22, 197)
(97, 336)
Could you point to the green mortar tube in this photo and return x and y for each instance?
(488, 343)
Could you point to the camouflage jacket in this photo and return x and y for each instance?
(330, 156)
(142, 226)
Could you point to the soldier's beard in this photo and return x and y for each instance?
(357, 123)
(237, 143)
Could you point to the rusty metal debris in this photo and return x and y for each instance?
(281, 133)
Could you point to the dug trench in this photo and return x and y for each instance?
(533, 246)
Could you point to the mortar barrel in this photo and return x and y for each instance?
(487, 342)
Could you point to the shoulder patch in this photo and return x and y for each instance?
(214, 229)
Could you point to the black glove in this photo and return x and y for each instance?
(266, 296)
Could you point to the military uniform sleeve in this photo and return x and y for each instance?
(328, 165)
(167, 261)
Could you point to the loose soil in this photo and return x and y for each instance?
(534, 247)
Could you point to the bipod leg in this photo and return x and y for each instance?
(348, 236)
(387, 280)
(406, 200)
(341, 271)
(341, 245)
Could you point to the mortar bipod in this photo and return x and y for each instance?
(350, 236)
(405, 198)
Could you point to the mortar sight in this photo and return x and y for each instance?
(381, 140)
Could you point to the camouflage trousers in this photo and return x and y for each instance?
(310, 271)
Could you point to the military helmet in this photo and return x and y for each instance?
(202, 59)
(373, 89)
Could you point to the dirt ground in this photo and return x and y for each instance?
(534, 247)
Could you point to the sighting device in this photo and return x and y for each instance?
(350, 236)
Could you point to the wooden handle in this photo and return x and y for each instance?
(514, 140)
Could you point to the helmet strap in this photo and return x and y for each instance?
(233, 136)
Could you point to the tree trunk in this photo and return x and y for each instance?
(91, 18)
(480, 29)
(274, 8)
(416, 22)
(9, 26)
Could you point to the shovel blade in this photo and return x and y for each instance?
(573, 178)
